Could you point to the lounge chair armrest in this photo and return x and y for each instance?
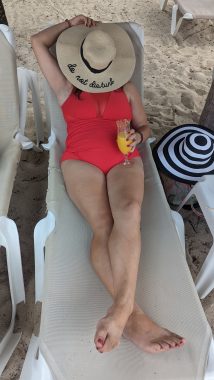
(7, 31)
(28, 80)
(10, 240)
(42, 230)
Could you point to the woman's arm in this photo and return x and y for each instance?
(141, 131)
(42, 41)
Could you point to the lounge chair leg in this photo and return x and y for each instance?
(35, 366)
(189, 195)
(10, 240)
(179, 225)
(28, 79)
(176, 25)
(34, 85)
(205, 279)
(42, 230)
(163, 4)
(8, 34)
(210, 363)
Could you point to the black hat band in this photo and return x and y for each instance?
(92, 69)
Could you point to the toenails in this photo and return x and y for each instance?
(100, 342)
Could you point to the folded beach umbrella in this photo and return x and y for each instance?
(73, 298)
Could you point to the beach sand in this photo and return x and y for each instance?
(177, 75)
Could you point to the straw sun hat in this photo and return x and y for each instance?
(186, 153)
(96, 59)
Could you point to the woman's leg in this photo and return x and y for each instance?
(125, 190)
(86, 186)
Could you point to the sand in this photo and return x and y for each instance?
(178, 74)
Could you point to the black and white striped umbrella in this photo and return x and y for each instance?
(186, 153)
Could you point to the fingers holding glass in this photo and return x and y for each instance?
(132, 140)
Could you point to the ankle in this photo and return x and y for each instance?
(124, 307)
(137, 311)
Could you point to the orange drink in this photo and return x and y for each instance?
(123, 129)
(122, 143)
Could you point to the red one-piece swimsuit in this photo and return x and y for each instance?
(92, 130)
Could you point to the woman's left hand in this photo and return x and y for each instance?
(133, 139)
(81, 19)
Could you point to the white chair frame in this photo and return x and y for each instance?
(9, 238)
(177, 17)
(204, 192)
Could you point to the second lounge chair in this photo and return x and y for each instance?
(188, 10)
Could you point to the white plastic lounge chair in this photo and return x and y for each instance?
(189, 10)
(12, 124)
(204, 192)
(73, 299)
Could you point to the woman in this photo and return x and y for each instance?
(90, 79)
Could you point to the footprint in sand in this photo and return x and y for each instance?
(187, 99)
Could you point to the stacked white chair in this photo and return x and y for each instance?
(13, 103)
(188, 10)
(204, 192)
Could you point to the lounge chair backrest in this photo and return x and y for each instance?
(9, 122)
(9, 94)
(134, 31)
(55, 119)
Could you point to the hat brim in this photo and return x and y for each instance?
(168, 159)
(115, 76)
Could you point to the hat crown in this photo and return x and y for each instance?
(198, 145)
(99, 49)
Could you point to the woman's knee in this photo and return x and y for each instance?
(128, 215)
(102, 226)
(101, 233)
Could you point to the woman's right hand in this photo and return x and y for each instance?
(81, 19)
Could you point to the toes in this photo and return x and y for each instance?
(166, 345)
(155, 347)
(100, 338)
(104, 341)
(109, 345)
(182, 342)
(179, 340)
(99, 343)
(159, 346)
(174, 339)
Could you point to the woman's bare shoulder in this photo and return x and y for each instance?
(130, 90)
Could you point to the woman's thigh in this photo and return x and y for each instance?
(126, 188)
(86, 187)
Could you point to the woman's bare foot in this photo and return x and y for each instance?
(148, 336)
(110, 328)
